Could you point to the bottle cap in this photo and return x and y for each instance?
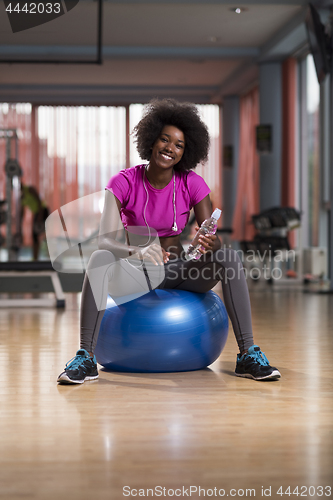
(216, 214)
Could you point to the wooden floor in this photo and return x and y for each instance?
(205, 429)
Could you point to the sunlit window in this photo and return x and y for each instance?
(88, 140)
(313, 98)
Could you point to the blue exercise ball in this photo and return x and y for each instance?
(163, 331)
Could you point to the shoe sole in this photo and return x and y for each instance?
(275, 375)
(68, 381)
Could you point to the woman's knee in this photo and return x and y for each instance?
(101, 258)
(227, 257)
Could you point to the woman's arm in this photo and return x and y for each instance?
(203, 210)
(111, 224)
(35, 194)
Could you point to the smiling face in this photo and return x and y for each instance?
(168, 149)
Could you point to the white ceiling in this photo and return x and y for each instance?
(197, 49)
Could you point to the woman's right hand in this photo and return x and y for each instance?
(155, 253)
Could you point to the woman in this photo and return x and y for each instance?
(157, 198)
(30, 198)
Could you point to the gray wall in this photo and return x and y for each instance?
(270, 83)
(230, 174)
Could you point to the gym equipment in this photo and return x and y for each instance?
(163, 331)
(3, 212)
(33, 269)
(273, 226)
(12, 168)
(13, 193)
(16, 241)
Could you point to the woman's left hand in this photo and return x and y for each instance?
(207, 242)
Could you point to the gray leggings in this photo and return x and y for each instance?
(194, 276)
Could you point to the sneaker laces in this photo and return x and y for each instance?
(77, 361)
(259, 357)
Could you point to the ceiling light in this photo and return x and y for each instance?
(238, 10)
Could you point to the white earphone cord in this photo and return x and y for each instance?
(174, 227)
(144, 210)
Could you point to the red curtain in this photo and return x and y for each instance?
(21, 118)
(247, 198)
(66, 152)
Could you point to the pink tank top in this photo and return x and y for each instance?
(127, 185)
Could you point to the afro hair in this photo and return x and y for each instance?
(185, 116)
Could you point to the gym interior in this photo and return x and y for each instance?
(74, 79)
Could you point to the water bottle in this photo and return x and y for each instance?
(208, 226)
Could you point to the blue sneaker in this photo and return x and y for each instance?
(79, 369)
(255, 365)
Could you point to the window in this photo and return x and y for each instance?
(312, 110)
(67, 152)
